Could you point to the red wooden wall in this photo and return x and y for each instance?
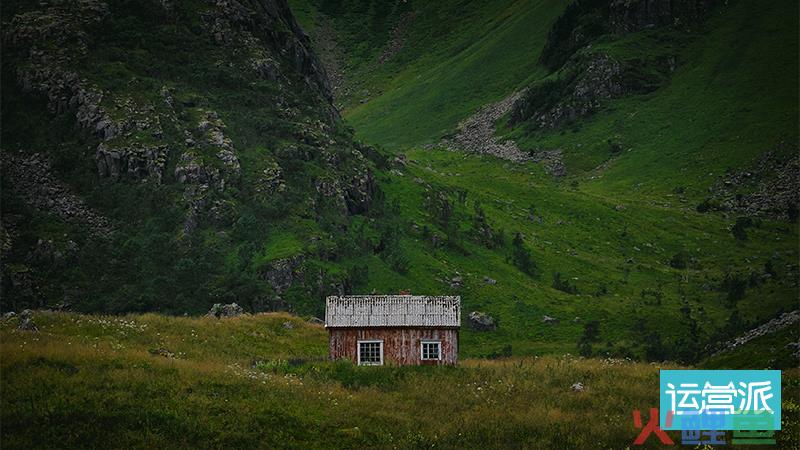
(401, 345)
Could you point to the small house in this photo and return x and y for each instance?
(393, 329)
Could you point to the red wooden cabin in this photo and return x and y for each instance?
(393, 329)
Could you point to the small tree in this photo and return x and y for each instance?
(521, 256)
(739, 229)
(481, 230)
(563, 285)
(591, 334)
(654, 349)
(680, 260)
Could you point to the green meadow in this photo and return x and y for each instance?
(134, 381)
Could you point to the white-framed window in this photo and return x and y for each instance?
(370, 353)
(431, 350)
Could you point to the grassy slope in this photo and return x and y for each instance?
(647, 235)
(81, 374)
(732, 97)
(458, 55)
(733, 75)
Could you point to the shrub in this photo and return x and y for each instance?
(563, 284)
(521, 256)
(735, 287)
(739, 229)
(657, 294)
(591, 334)
(680, 260)
(504, 352)
(601, 290)
(654, 349)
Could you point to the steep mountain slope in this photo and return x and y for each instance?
(456, 55)
(660, 203)
(169, 155)
(164, 157)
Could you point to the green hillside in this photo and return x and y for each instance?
(456, 56)
(197, 159)
(614, 183)
(88, 381)
(623, 227)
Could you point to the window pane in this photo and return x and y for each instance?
(431, 350)
(370, 352)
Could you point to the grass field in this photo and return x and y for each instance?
(135, 381)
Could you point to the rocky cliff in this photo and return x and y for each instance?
(584, 76)
(218, 111)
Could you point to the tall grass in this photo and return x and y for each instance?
(92, 382)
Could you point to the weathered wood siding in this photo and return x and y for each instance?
(401, 345)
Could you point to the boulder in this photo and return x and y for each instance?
(222, 311)
(482, 321)
(549, 320)
(27, 325)
(161, 351)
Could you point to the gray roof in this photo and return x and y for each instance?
(393, 311)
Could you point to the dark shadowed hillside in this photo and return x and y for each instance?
(159, 156)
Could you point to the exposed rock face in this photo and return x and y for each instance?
(397, 40)
(31, 179)
(250, 25)
(155, 126)
(582, 89)
(626, 16)
(482, 321)
(476, 133)
(779, 323)
(350, 196)
(271, 181)
(583, 22)
(770, 188)
(201, 175)
(360, 192)
(137, 161)
(55, 37)
(584, 79)
(280, 275)
(332, 59)
(221, 311)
